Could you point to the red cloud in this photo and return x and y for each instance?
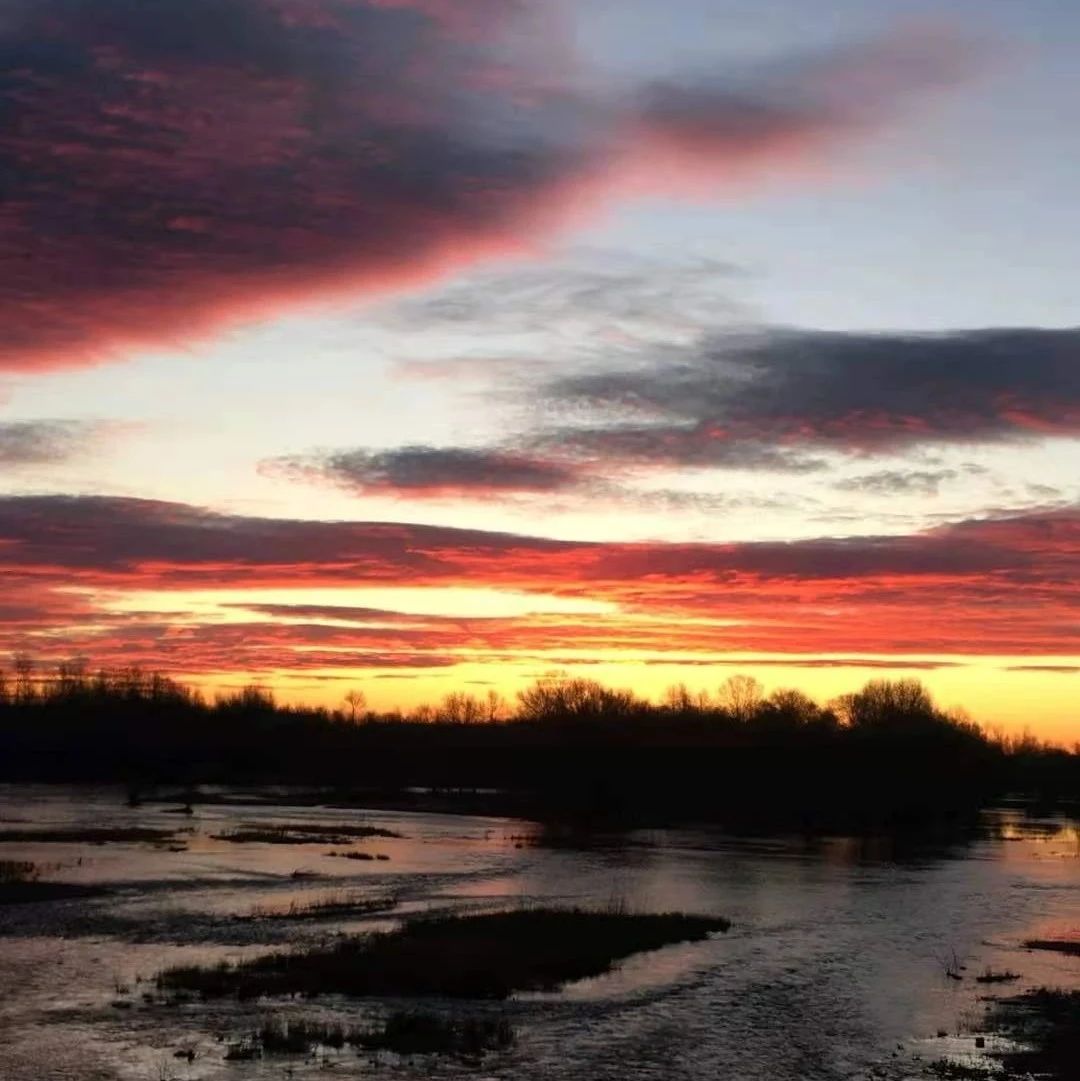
(993, 587)
(174, 167)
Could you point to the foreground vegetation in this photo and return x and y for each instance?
(1047, 1023)
(404, 1032)
(486, 956)
(335, 907)
(295, 833)
(567, 749)
(21, 883)
(1068, 946)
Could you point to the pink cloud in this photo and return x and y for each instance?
(180, 167)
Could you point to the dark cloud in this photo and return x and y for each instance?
(340, 612)
(161, 542)
(563, 465)
(1057, 669)
(45, 442)
(425, 472)
(926, 482)
(659, 446)
(783, 401)
(169, 166)
(856, 392)
(591, 294)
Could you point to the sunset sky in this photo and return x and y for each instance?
(427, 345)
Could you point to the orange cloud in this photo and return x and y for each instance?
(1002, 587)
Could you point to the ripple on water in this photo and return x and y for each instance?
(834, 968)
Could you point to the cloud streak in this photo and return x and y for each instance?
(425, 472)
(1003, 587)
(789, 392)
(174, 166)
(791, 402)
(47, 442)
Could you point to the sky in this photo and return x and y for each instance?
(415, 346)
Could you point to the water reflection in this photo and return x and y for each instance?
(833, 968)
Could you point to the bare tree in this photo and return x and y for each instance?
(890, 703)
(498, 709)
(562, 698)
(740, 696)
(356, 703)
(677, 698)
(460, 708)
(24, 677)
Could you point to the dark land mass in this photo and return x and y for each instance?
(303, 834)
(884, 758)
(20, 884)
(1047, 1025)
(485, 957)
(1068, 946)
(90, 835)
(24, 893)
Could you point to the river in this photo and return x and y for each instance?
(834, 967)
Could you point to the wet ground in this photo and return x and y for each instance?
(835, 966)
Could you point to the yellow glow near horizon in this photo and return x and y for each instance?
(987, 688)
(235, 605)
(1010, 692)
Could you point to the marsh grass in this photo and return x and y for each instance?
(359, 855)
(90, 835)
(1067, 946)
(1043, 1029)
(20, 883)
(473, 956)
(331, 907)
(18, 871)
(417, 1033)
(991, 975)
(958, 1071)
(303, 833)
(278, 1037)
(1047, 1022)
(404, 1032)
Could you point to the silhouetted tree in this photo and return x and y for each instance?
(24, 677)
(356, 703)
(461, 708)
(560, 698)
(498, 709)
(740, 696)
(787, 708)
(891, 705)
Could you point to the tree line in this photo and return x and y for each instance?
(885, 752)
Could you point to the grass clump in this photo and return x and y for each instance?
(20, 883)
(404, 1032)
(1067, 946)
(1048, 1023)
(324, 908)
(359, 855)
(89, 835)
(994, 976)
(18, 871)
(957, 1071)
(246, 1050)
(487, 956)
(277, 1037)
(302, 833)
(416, 1033)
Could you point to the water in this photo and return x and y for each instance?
(834, 967)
